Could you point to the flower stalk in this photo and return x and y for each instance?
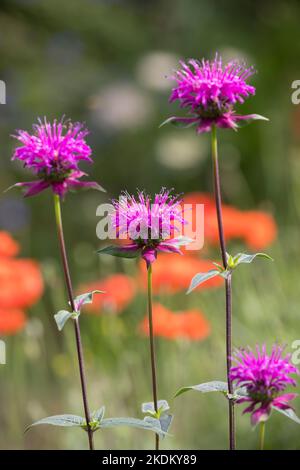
(262, 430)
(228, 286)
(68, 281)
(152, 347)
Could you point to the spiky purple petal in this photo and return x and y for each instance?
(53, 152)
(209, 91)
(265, 377)
(148, 223)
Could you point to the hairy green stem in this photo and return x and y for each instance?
(228, 287)
(152, 348)
(66, 270)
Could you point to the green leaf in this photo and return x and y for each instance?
(237, 393)
(98, 187)
(162, 406)
(60, 420)
(86, 298)
(90, 185)
(245, 258)
(147, 423)
(61, 318)
(219, 266)
(234, 261)
(202, 277)
(288, 413)
(98, 414)
(251, 118)
(165, 423)
(94, 425)
(162, 423)
(214, 386)
(120, 252)
(230, 261)
(240, 392)
(180, 122)
(170, 120)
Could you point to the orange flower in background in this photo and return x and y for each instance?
(119, 291)
(173, 273)
(256, 228)
(11, 321)
(21, 285)
(260, 229)
(8, 246)
(191, 324)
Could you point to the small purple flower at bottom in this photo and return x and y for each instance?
(264, 377)
(52, 152)
(148, 223)
(209, 90)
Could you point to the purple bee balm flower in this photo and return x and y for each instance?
(210, 90)
(264, 377)
(149, 224)
(53, 152)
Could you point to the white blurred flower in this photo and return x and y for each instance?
(121, 106)
(34, 328)
(154, 68)
(181, 151)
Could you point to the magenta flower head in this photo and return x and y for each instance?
(148, 224)
(264, 378)
(53, 152)
(209, 91)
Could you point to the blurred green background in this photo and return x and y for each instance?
(105, 62)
